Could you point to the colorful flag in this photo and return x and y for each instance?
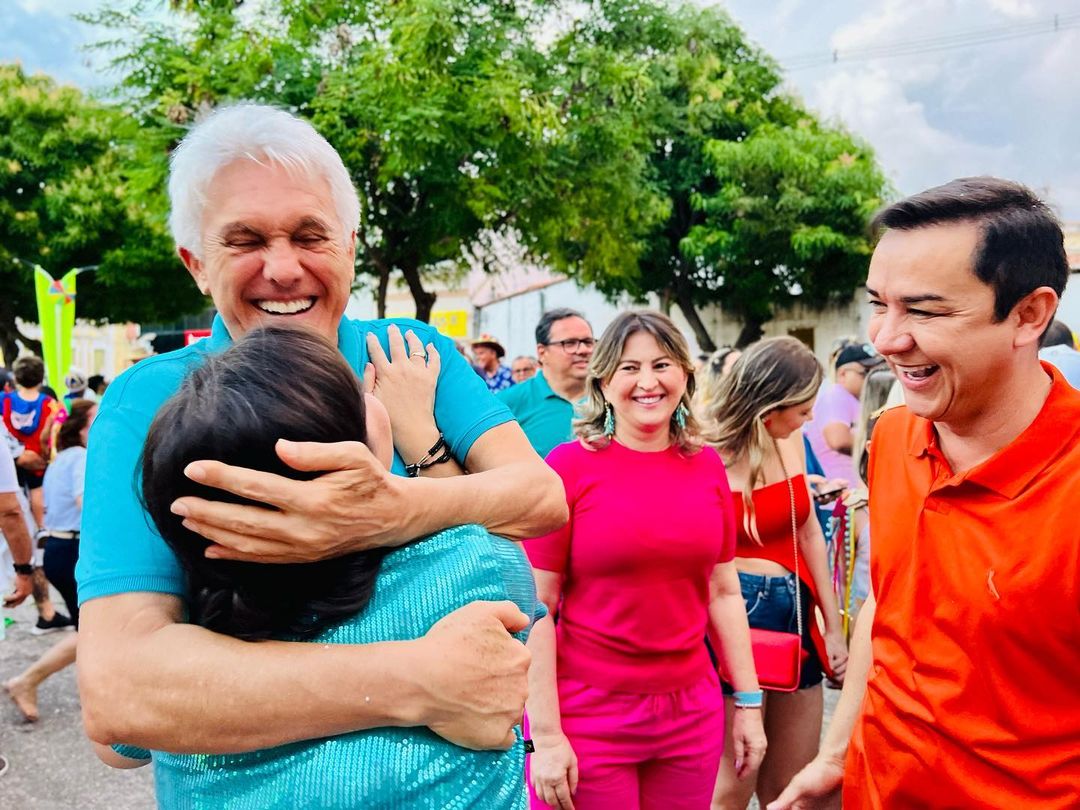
(56, 315)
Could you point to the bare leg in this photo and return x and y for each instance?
(42, 599)
(793, 729)
(37, 506)
(730, 792)
(22, 689)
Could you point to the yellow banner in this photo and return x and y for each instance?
(451, 322)
(56, 315)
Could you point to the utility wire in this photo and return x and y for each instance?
(913, 47)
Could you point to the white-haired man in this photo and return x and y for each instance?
(264, 217)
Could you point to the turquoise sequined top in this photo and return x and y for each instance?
(390, 767)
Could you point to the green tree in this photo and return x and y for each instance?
(703, 92)
(68, 198)
(786, 222)
(453, 121)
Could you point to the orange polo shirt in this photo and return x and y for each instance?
(973, 698)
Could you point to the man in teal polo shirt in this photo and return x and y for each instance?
(265, 217)
(544, 405)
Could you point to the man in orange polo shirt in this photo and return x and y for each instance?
(963, 685)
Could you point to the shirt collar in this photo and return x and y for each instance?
(1013, 467)
(547, 391)
(544, 386)
(348, 341)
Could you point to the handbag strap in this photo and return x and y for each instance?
(794, 539)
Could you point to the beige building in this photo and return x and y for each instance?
(106, 349)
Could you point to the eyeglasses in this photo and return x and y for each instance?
(574, 344)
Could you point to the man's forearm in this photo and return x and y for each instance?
(181, 688)
(518, 500)
(836, 740)
(13, 525)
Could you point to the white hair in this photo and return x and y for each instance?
(256, 132)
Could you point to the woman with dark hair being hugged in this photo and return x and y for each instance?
(755, 424)
(623, 699)
(63, 493)
(292, 385)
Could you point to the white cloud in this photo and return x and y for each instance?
(915, 153)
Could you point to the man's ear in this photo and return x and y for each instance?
(1033, 314)
(352, 254)
(194, 266)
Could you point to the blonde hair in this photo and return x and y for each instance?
(589, 426)
(875, 394)
(771, 374)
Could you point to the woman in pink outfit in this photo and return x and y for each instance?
(624, 702)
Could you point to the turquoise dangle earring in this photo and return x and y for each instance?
(609, 421)
(680, 416)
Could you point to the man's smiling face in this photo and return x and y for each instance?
(274, 250)
(933, 321)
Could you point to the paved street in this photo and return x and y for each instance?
(52, 766)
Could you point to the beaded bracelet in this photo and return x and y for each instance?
(430, 459)
(749, 700)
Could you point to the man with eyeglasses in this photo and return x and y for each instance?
(837, 410)
(544, 405)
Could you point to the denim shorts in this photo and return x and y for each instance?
(770, 605)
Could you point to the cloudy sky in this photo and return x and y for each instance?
(983, 94)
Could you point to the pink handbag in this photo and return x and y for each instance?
(778, 656)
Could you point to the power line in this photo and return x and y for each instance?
(913, 47)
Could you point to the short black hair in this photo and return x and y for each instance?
(543, 328)
(94, 382)
(233, 408)
(29, 371)
(1058, 334)
(1021, 246)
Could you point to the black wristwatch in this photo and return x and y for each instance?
(26, 569)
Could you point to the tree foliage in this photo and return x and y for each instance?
(69, 198)
(786, 220)
(711, 119)
(631, 144)
(437, 107)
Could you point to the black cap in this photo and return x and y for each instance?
(864, 354)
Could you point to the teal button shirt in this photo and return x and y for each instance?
(545, 417)
(120, 551)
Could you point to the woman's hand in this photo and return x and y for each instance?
(815, 787)
(405, 384)
(554, 770)
(748, 737)
(837, 651)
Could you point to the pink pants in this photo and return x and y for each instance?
(643, 751)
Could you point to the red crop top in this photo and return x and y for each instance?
(772, 513)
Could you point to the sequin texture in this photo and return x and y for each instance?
(384, 768)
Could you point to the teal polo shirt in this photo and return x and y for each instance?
(120, 550)
(545, 417)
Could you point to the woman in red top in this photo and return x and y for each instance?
(622, 692)
(755, 424)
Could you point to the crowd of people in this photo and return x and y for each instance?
(603, 577)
